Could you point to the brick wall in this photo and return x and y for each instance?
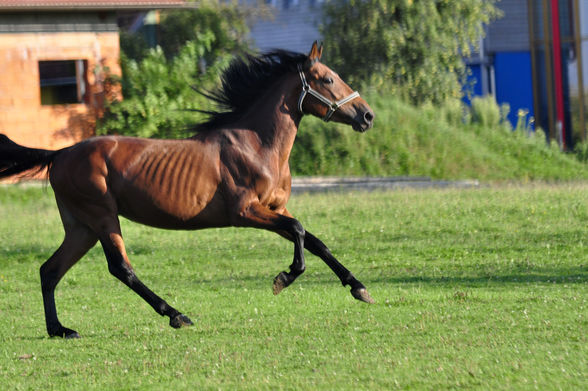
(22, 117)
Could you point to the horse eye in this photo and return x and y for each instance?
(327, 80)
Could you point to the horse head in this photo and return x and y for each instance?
(324, 94)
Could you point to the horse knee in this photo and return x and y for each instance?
(292, 226)
(298, 229)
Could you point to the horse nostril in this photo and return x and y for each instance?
(368, 116)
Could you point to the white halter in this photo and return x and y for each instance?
(333, 106)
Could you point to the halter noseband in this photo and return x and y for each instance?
(332, 105)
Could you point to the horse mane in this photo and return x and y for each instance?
(244, 81)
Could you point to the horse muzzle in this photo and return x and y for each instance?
(363, 120)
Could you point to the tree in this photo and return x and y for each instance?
(413, 47)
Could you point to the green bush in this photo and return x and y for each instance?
(227, 22)
(157, 84)
(158, 93)
(428, 140)
(581, 151)
(486, 112)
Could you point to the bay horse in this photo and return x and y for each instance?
(233, 172)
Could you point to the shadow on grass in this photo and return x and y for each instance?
(33, 253)
(260, 278)
(14, 255)
(573, 275)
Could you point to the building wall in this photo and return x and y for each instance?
(22, 117)
(294, 26)
(52, 22)
(508, 45)
(504, 63)
(510, 32)
(515, 84)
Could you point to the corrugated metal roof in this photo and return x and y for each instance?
(35, 5)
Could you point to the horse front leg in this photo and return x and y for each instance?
(318, 248)
(295, 231)
(258, 216)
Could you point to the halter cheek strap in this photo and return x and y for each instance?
(332, 105)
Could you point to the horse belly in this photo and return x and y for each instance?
(183, 214)
(202, 207)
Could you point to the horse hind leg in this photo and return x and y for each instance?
(318, 248)
(78, 240)
(298, 266)
(120, 267)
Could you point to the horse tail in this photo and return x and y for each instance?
(16, 159)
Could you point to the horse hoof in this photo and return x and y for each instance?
(72, 335)
(362, 295)
(280, 282)
(64, 332)
(180, 320)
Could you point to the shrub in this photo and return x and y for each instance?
(486, 112)
(431, 140)
(158, 93)
(227, 22)
(157, 84)
(581, 151)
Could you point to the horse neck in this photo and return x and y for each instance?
(275, 117)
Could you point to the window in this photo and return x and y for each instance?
(62, 82)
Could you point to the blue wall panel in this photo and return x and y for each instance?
(514, 82)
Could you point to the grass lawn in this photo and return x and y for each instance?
(475, 289)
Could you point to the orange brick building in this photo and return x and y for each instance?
(54, 56)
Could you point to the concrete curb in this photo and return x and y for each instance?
(326, 184)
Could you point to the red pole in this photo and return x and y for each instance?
(559, 105)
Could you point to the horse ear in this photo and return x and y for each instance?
(315, 53)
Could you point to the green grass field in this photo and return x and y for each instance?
(475, 289)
